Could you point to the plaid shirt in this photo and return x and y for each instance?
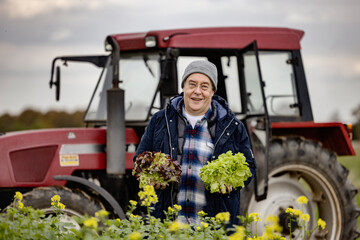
(197, 150)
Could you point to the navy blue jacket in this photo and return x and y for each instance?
(230, 134)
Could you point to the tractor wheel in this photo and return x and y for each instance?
(77, 202)
(302, 167)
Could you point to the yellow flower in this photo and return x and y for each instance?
(272, 222)
(302, 200)
(20, 205)
(290, 211)
(55, 198)
(148, 196)
(61, 206)
(197, 228)
(134, 216)
(305, 217)
(171, 210)
(177, 207)
(321, 223)
(255, 238)
(91, 222)
(255, 216)
(102, 213)
(297, 212)
(204, 225)
(176, 226)
(239, 234)
(135, 236)
(133, 203)
(223, 216)
(118, 220)
(270, 232)
(18, 196)
(202, 213)
(272, 219)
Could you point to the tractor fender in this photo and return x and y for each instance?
(334, 136)
(101, 191)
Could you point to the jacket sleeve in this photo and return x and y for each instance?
(147, 139)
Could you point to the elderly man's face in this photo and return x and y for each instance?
(198, 92)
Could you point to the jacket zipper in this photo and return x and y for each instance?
(168, 130)
(222, 134)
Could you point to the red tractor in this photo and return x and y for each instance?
(261, 75)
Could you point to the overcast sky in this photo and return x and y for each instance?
(33, 32)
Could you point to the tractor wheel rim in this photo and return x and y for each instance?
(286, 184)
(66, 216)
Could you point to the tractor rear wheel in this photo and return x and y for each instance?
(77, 202)
(300, 167)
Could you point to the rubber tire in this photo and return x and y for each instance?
(77, 202)
(306, 159)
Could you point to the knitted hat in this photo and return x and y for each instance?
(205, 67)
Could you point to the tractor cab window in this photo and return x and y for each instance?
(231, 77)
(279, 78)
(139, 75)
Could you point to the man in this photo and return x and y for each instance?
(194, 128)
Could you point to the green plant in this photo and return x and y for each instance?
(19, 222)
(156, 168)
(225, 173)
(303, 219)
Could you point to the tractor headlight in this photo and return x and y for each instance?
(108, 46)
(150, 41)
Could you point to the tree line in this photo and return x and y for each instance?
(356, 126)
(33, 119)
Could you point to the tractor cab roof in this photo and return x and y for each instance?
(268, 38)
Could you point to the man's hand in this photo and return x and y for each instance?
(160, 186)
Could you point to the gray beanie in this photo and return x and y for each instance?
(205, 67)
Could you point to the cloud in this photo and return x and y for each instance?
(334, 66)
(357, 67)
(32, 32)
(37, 58)
(24, 9)
(307, 17)
(59, 35)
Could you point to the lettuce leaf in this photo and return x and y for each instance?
(156, 168)
(225, 173)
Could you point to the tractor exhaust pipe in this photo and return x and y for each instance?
(115, 136)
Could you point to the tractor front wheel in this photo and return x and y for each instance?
(77, 202)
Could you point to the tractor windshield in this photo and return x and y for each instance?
(140, 73)
(139, 76)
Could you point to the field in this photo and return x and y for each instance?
(353, 164)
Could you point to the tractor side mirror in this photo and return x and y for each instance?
(57, 83)
(169, 78)
(57, 80)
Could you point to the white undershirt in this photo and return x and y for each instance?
(193, 119)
